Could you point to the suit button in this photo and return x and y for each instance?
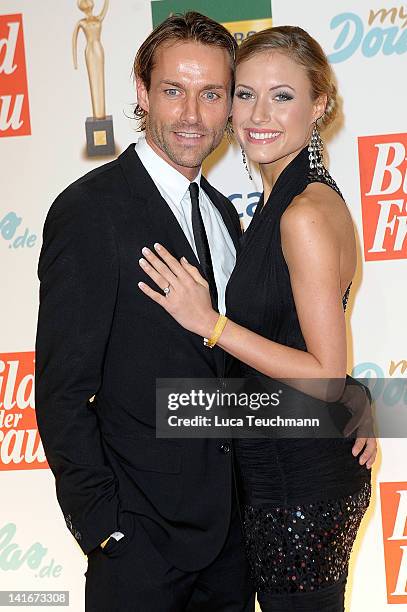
(225, 448)
(68, 521)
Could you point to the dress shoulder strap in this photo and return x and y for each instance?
(322, 175)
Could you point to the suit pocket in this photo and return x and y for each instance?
(115, 548)
(147, 454)
(149, 472)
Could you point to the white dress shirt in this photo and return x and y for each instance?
(174, 188)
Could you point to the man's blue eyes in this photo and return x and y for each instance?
(210, 95)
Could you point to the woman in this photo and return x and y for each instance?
(303, 499)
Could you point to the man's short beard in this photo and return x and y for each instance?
(179, 160)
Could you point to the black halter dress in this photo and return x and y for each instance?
(302, 499)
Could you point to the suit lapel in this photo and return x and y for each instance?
(154, 210)
(162, 223)
(159, 216)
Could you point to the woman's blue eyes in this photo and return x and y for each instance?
(283, 96)
(244, 95)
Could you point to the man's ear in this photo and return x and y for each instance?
(320, 106)
(142, 94)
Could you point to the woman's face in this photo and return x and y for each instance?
(273, 111)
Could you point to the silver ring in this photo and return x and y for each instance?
(167, 290)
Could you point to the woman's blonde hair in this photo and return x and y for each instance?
(303, 49)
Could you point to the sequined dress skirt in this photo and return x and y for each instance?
(302, 504)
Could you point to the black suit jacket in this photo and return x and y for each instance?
(98, 334)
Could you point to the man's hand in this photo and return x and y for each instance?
(116, 535)
(370, 451)
(358, 402)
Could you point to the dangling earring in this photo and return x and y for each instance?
(316, 160)
(245, 163)
(315, 150)
(229, 131)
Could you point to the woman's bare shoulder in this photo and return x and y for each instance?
(317, 203)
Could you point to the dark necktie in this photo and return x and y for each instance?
(201, 243)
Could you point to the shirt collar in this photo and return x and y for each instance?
(164, 176)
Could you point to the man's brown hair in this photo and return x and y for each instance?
(191, 26)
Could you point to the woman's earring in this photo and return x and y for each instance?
(315, 150)
(245, 163)
(229, 131)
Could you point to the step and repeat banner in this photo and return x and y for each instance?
(58, 121)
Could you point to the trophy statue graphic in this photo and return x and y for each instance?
(99, 128)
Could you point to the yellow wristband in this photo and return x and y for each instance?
(218, 329)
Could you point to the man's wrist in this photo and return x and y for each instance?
(117, 535)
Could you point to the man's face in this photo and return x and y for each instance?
(188, 103)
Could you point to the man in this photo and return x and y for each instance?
(158, 518)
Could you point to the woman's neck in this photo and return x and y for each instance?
(271, 171)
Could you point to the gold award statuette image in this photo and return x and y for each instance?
(99, 128)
